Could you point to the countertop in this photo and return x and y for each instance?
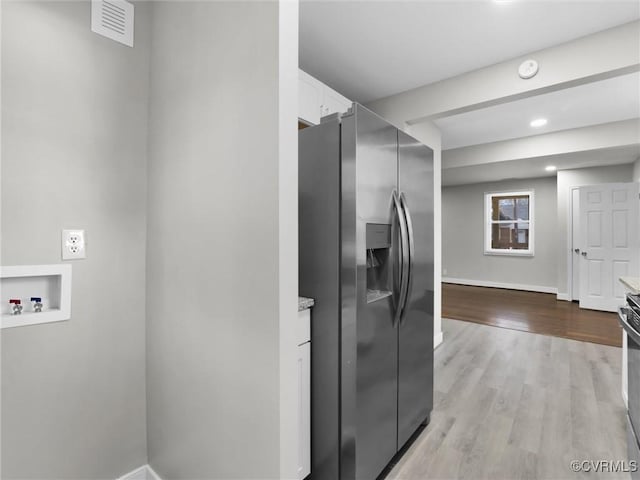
(304, 303)
(632, 284)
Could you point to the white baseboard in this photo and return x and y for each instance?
(564, 297)
(151, 474)
(437, 340)
(139, 473)
(509, 286)
(142, 473)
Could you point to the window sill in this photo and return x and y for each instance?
(509, 253)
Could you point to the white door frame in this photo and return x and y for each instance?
(571, 264)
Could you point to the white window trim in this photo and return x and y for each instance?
(487, 223)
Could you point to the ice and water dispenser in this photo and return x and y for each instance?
(379, 280)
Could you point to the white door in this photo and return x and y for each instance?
(610, 245)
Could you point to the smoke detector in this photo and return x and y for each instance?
(113, 19)
(528, 69)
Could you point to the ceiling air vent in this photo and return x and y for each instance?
(113, 19)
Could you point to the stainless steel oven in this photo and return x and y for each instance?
(630, 320)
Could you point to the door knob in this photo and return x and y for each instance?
(584, 254)
(577, 250)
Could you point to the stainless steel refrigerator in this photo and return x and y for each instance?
(366, 257)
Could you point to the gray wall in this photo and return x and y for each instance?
(575, 178)
(213, 255)
(430, 135)
(636, 171)
(463, 235)
(74, 118)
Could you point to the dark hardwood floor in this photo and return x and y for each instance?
(529, 312)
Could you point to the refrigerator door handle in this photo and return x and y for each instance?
(404, 263)
(411, 245)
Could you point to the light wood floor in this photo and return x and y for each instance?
(530, 312)
(516, 405)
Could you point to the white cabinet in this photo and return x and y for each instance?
(316, 100)
(309, 98)
(625, 373)
(304, 394)
(304, 410)
(631, 285)
(333, 102)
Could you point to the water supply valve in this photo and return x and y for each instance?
(37, 304)
(16, 306)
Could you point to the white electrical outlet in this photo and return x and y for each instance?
(73, 245)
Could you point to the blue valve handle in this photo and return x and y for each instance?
(36, 299)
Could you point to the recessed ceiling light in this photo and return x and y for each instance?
(538, 122)
(551, 168)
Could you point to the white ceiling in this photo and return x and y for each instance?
(371, 49)
(535, 167)
(591, 104)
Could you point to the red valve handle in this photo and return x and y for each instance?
(15, 301)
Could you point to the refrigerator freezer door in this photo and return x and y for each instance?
(377, 341)
(415, 332)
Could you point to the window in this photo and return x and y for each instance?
(509, 223)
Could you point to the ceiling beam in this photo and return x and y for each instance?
(608, 135)
(599, 56)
